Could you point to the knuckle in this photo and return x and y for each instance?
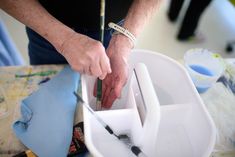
(98, 73)
(99, 48)
(95, 73)
(99, 45)
(115, 94)
(103, 76)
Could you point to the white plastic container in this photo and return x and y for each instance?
(185, 129)
(204, 67)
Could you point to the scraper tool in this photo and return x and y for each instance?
(99, 82)
(124, 138)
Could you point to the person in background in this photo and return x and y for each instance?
(189, 25)
(61, 31)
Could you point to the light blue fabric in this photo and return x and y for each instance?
(47, 116)
(9, 55)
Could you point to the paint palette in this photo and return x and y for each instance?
(183, 127)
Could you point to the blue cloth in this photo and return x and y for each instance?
(47, 116)
(9, 55)
(42, 52)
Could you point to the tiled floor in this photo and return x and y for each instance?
(217, 25)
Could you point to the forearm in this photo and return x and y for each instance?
(120, 47)
(32, 14)
(139, 14)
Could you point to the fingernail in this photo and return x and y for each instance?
(101, 77)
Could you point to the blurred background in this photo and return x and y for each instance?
(217, 25)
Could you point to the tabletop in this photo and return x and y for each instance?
(16, 83)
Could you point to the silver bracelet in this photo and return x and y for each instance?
(123, 31)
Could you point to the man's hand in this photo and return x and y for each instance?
(118, 51)
(86, 55)
(113, 83)
(82, 53)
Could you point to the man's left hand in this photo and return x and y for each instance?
(118, 52)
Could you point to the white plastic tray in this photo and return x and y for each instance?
(186, 129)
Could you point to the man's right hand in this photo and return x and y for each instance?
(86, 55)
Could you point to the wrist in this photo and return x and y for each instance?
(121, 45)
(59, 37)
(65, 40)
(119, 30)
(122, 41)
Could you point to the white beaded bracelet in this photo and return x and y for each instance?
(123, 31)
